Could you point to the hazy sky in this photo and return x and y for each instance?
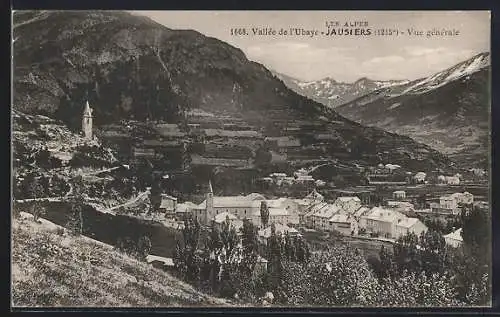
(344, 58)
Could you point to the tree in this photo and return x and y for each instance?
(36, 190)
(433, 252)
(264, 214)
(144, 247)
(186, 258)
(406, 253)
(386, 262)
(77, 204)
(249, 245)
(474, 264)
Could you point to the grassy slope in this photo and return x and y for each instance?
(52, 269)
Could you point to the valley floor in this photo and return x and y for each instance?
(51, 268)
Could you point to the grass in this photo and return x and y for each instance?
(54, 269)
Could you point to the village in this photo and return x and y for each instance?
(368, 208)
(391, 203)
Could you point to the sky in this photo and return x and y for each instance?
(344, 58)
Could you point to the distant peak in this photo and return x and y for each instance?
(362, 80)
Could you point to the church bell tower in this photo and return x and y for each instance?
(87, 122)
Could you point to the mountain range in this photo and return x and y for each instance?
(332, 93)
(448, 110)
(132, 68)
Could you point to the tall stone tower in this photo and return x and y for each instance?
(87, 122)
(209, 210)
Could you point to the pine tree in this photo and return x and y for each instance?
(264, 214)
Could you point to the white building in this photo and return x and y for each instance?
(283, 210)
(450, 204)
(382, 221)
(346, 224)
(280, 230)
(463, 198)
(399, 194)
(452, 180)
(454, 238)
(408, 225)
(168, 204)
(321, 219)
(229, 218)
(419, 178)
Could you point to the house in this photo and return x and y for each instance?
(184, 209)
(320, 219)
(226, 217)
(278, 177)
(391, 167)
(168, 204)
(419, 177)
(381, 221)
(305, 179)
(403, 207)
(160, 262)
(450, 204)
(399, 194)
(263, 235)
(465, 198)
(283, 210)
(405, 226)
(452, 180)
(454, 238)
(308, 218)
(360, 212)
(346, 224)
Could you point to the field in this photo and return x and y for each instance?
(48, 267)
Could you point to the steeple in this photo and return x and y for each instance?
(87, 112)
(209, 208)
(210, 190)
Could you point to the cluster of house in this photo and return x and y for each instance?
(346, 215)
(450, 205)
(449, 180)
(349, 217)
(299, 177)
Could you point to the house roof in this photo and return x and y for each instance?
(407, 222)
(167, 261)
(255, 196)
(278, 212)
(340, 218)
(455, 235)
(348, 198)
(384, 215)
(327, 212)
(231, 202)
(361, 211)
(275, 203)
(186, 207)
(399, 192)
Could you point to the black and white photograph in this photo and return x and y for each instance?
(270, 159)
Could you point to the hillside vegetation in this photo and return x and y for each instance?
(51, 268)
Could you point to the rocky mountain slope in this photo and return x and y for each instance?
(332, 93)
(449, 110)
(130, 67)
(49, 265)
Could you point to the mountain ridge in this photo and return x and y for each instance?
(133, 68)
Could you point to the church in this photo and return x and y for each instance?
(282, 210)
